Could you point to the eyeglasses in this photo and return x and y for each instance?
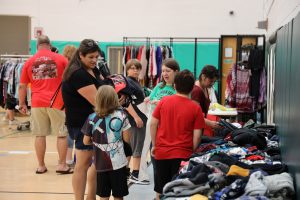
(134, 68)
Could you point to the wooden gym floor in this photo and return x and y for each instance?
(18, 165)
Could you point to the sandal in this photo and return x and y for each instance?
(68, 171)
(41, 172)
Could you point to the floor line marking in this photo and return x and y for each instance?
(36, 192)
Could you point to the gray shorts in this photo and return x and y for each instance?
(137, 140)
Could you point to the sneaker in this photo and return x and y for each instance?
(70, 164)
(133, 179)
(13, 122)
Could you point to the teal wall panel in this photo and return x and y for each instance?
(184, 53)
(207, 53)
(61, 44)
(287, 95)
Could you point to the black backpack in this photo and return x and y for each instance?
(245, 136)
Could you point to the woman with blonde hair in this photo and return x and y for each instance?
(69, 52)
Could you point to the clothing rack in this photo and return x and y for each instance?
(14, 56)
(171, 40)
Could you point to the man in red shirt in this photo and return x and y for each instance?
(44, 71)
(176, 129)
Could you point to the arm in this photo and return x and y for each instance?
(153, 130)
(87, 140)
(147, 100)
(89, 93)
(196, 138)
(22, 97)
(126, 136)
(212, 124)
(137, 119)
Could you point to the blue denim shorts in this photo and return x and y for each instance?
(76, 134)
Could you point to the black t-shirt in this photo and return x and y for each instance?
(137, 98)
(76, 106)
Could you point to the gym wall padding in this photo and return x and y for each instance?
(184, 53)
(287, 96)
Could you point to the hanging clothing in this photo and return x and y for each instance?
(159, 60)
(144, 63)
(237, 90)
(262, 87)
(151, 58)
(244, 103)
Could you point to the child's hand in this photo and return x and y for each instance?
(154, 102)
(153, 151)
(147, 100)
(122, 99)
(139, 122)
(214, 124)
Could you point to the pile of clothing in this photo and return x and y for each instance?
(245, 164)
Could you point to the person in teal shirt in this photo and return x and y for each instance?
(165, 88)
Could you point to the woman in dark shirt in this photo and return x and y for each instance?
(200, 94)
(80, 82)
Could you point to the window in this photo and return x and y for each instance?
(115, 55)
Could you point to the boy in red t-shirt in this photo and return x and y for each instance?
(176, 129)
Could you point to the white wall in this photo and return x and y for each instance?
(279, 13)
(111, 20)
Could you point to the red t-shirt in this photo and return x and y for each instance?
(199, 96)
(44, 71)
(178, 117)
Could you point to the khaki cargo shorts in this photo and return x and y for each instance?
(48, 120)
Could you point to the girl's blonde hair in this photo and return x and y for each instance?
(106, 101)
(69, 51)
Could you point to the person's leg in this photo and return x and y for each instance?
(165, 170)
(92, 183)
(62, 145)
(104, 198)
(136, 163)
(118, 198)
(10, 114)
(128, 154)
(40, 128)
(157, 196)
(118, 182)
(83, 160)
(69, 157)
(57, 120)
(143, 175)
(104, 185)
(40, 150)
(137, 143)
